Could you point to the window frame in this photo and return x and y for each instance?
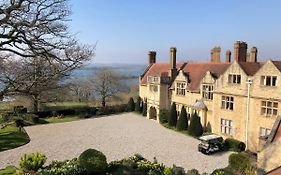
(268, 80)
(208, 91)
(264, 132)
(227, 102)
(234, 78)
(269, 108)
(226, 126)
(180, 88)
(153, 88)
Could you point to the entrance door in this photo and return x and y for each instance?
(152, 113)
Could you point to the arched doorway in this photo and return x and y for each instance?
(152, 113)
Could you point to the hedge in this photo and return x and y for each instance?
(234, 145)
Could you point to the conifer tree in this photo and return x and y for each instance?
(144, 109)
(172, 121)
(195, 128)
(138, 105)
(131, 105)
(182, 123)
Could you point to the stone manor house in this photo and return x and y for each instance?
(239, 98)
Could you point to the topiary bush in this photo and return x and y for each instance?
(131, 105)
(195, 128)
(144, 109)
(234, 145)
(192, 172)
(238, 162)
(182, 123)
(138, 105)
(172, 120)
(67, 167)
(93, 161)
(32, 162)
(163, 116)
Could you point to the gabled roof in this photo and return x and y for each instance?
(157, 70)
(197, 71)
(250, 68)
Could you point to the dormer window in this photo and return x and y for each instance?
(152, 79)
(269, 80)
(234, 78)
(180, 88)
(207, 92)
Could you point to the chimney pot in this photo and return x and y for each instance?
(151, 57)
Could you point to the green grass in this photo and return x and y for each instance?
(11, 137)
(59, 120)
(66, 104)
(9, 170)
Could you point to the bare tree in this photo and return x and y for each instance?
(36, 49)
(30, 28)
(106, 84)
(81, 88)
(35, 75)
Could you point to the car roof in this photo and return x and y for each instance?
(209, 137)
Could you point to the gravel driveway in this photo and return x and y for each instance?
(117, 136)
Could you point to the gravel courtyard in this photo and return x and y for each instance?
(117, 136)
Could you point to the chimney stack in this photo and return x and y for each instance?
(173, 62)
(240, 51)
(216, 54)
(151, 57)
(228, 56)
(253, 55)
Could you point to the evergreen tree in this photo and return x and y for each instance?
(144, 109)
(173, 116)
(163, 116)
(195, 128)
(138, 105)
(182, 123)
(131, 105)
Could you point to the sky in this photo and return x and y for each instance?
(125, 30)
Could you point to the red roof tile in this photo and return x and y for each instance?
(250, 68)
(276, 171)
(277, 64)
(197, 70)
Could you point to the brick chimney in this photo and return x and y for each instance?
(173, 62)
(216, 54)
(151, 57)
(228, 56)
(240, 51)
(253, 55)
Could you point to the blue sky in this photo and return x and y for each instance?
(126, 29)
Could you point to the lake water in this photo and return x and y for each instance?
(127, 70)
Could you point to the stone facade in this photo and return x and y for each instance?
(238, 99)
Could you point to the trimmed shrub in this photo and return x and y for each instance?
(234, 145)
(111, 109)
(138, 105)
(163, 115)
(239, 162)
(32, 162)
(144, 109)
(182, 123)
(19, 122)
(67, 167)
(195, 128)
(20, 110)
(172, 120)
(93, 161)
(192, 172)
(177, 170)
(222, 172)
(131, 105)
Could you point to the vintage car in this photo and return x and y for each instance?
(210, 144)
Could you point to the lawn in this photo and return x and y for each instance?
(11, 137)
(9, 170)
(59, 120)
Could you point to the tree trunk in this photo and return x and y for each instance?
(103, 102)
(36, 103)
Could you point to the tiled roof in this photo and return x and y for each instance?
(277, 64)
(158, 69)
(276, 171)
(197, 70)
(275, 131)
(250, 68)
